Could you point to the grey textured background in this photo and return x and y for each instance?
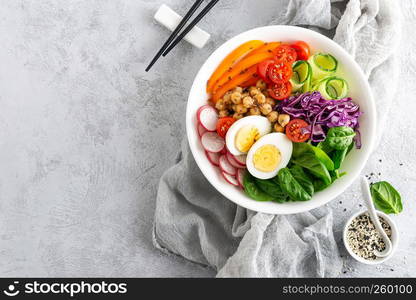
(85, 135)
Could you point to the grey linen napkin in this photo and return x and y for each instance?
(196, 222)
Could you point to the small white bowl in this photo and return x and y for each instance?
(360, 91)
(394, 239)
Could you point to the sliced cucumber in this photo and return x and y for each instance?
(323, 64)
(332, 87)
(302, 73)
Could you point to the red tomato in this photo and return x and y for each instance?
(302, 50)
(286, 54)
(223, 125)
(281, 90)
(294, 131)
(279, 72)
(262, 69)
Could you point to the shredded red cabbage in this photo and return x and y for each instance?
(322, 114)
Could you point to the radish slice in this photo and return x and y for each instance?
(201, 129)
(241, 159)
(208, 117)
(233, 162)
(212, 142)
(224, 151)
(240, 177)
(230, 179)
(213, 158)
(226, 167)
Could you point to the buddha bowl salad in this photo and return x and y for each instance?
(278, 123)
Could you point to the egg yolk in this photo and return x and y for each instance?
(267, 158)
(246, 137)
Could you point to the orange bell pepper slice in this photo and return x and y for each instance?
(267, 47)
(236, 81)
(231, 59)
(243, 64)
(252, 81)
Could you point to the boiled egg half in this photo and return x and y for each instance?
(268, 155)
(245, 132)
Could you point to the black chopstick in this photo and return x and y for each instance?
(190, 26)
(175, 32)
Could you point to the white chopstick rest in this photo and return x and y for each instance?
(170, 19)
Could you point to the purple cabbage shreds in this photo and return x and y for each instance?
(322, 114)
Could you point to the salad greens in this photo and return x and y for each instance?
(386, 197)
(296, 183)
(339, 138)
(253, 191)
(311, 169)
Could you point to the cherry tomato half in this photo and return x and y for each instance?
(302, 50)
(286, 54)
(279, 72)
(294, 131)
(223, 125)
(281, 90)
(262, 69)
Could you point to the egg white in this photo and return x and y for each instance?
(261, 123)
(280, 141)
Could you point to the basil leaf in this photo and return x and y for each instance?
(253, 191)
(386, 197)
(272, 187)
(294, 188)
(311, 163)
(338, 138)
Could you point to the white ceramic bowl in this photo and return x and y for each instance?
(394, 239)
(359, 91)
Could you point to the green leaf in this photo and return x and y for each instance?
(272, 188)
(298, 188)
(311, 163)
(254, 192)
(386, 197)
(338, 138)
(301, 148)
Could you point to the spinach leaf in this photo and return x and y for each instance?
(254, 192)
(338, 138)
(304, 180)
(320, 185)
(294, 188)
(386, 197)
(301, 148)
(310, 162)
(338, 156)
(272, 187)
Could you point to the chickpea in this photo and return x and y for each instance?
(283, 119)
(238, 89)
(265, 108)
(227, 97)
(236, 97)
(271, 101)
(237, 116)
(239, 108)
(223, 113)
(253, 91)
(220, 104)
(254, 111)
(260, 98)
(261, 84)
(272, 117)
(248, 102)
(278, 128)
(245, 94)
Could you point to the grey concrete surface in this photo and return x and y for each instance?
(85, 135)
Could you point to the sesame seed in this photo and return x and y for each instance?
(363, 238)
